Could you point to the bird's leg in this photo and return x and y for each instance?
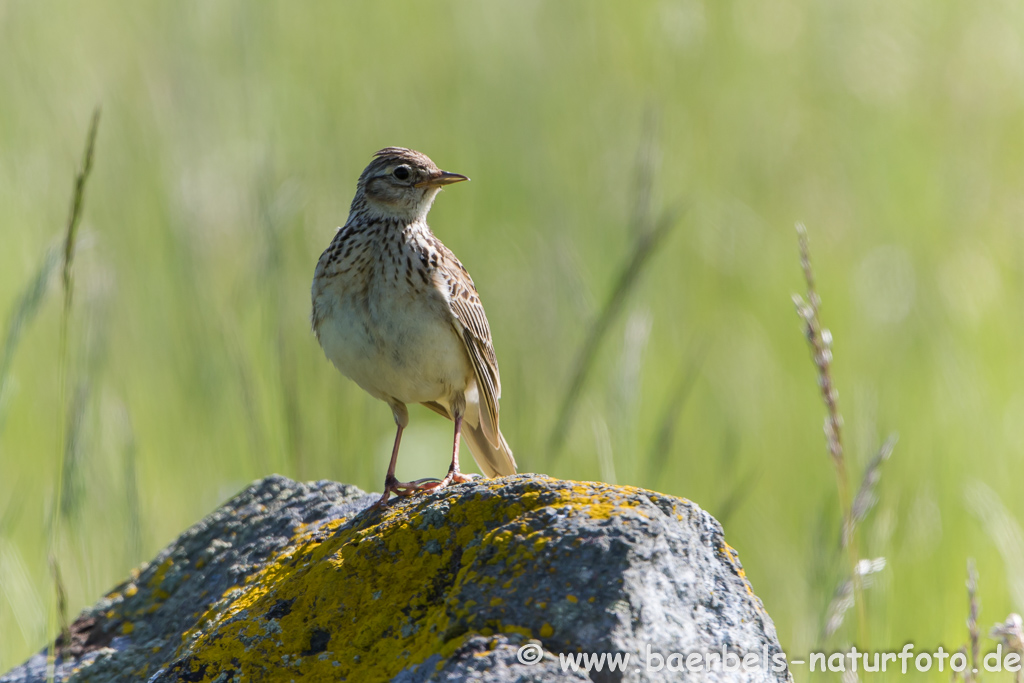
(454, 476)
(391, 483)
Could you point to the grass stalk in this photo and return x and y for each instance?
(629, 275)
(820, 341)
(27, 306)
(58, 610)
(865, 498)
(648, 234)
(1011, 634)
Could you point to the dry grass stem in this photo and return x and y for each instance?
(58, 611)
(75, 212)
(820, 341)
(842, 601)
(865, 499)
(1011, 634)
(62, 603)
(649, 235)
(628, 277)
(843, 598)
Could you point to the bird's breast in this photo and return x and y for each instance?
(389, 328)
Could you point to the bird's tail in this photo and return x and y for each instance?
(494, 461)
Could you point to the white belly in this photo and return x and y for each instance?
(396, 347)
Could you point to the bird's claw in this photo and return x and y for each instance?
(413, 487)
(456, 478)
(406, 489)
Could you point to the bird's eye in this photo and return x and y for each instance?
(402, 172)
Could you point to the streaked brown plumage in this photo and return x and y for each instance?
(396, 312)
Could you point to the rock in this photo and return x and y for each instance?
(496, 580)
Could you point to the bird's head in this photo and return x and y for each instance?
(402, 183)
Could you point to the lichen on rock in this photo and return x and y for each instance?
(306, 582)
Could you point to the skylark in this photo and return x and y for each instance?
(396, 312)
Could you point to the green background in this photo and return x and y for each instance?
(231, 138)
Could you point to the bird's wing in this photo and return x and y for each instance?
(471, 324)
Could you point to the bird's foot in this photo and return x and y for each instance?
(456, 478)
(404, 489)
(414, 487)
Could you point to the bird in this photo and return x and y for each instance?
(397, 313)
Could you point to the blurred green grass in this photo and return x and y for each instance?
(231, 140)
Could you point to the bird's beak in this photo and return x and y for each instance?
(442, 178)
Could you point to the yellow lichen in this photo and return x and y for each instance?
(383, 586)
(160, 573)
(734, 561)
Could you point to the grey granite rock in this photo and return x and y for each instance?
(510, 579)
